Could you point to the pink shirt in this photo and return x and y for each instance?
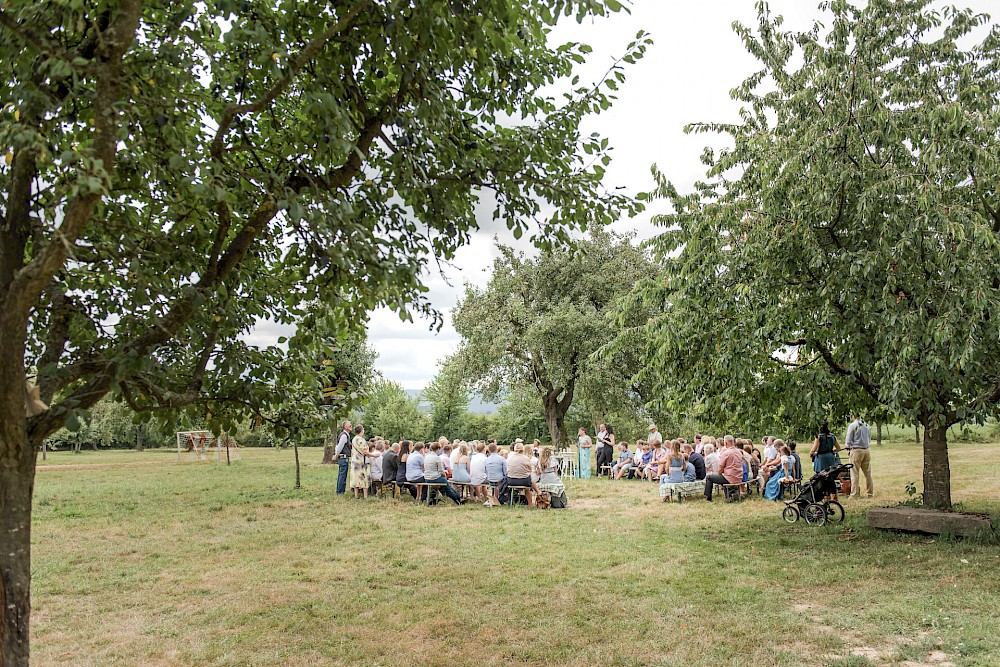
(659, 456)
(731, 465)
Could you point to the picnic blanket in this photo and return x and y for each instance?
(668, 490)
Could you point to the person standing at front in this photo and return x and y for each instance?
(343, 456)
(605, 448)
(361, 475)
(857, 442)
(584, 445)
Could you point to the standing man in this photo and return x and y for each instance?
(605, 447)
(654, 436)
(857, 441)
(343, 455)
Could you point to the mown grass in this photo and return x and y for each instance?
(204, 564)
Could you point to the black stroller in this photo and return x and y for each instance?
(814, 500)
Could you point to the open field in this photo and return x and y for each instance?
(204, 564)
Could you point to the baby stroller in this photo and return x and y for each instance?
(813, 501)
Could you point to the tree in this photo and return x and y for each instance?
(392, 414)
(348, 368)
(538, 321)
(841, 252)
(214, 164)
(448, 398)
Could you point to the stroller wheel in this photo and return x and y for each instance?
(815, 514)
(790, 514)
(835, 512)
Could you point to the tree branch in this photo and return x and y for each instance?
(303, 59)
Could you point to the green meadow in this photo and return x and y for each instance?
(141, 560)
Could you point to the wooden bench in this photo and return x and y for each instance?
(737, 492)
(511, 490)
(392, 488)
(424, 489)
(464, 489)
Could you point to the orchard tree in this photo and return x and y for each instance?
(392, 414)
(842, 251)
(317, 380)
(448, 398)
(540, 319)
(173, 173)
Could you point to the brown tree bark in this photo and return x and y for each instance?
(329, 448)
(937, 472)
(17, 479)
(556, 408)
(878, 433)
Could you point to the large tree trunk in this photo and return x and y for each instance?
(17, 477)
(555, 417)
(329, 449)
(937, 472)
(878, 433)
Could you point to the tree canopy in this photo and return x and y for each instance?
(841, 252)
(174, 173)
(449, 400)
(540, 319)
(389, 412)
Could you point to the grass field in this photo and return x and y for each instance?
(139, 560)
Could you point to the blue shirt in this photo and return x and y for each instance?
(624, 456)
(496, 468)
(415, 467)
(647, 457)
(689, 473)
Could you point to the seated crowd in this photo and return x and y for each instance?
(490, 474)
(725, 461)
(483, 471)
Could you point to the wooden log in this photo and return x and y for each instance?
(932, 522)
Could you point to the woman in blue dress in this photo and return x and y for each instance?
(461, 472)
(772, 491)
(584, 445)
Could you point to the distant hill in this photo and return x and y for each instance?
(476, 404)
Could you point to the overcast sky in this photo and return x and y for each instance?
(685, 76)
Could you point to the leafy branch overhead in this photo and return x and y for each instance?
(241, 159)
(176, 173)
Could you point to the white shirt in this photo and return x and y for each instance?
(712, 463)
(455, 456)
(477, 466)
(654, 437)
(770, 452)
(601, 436)
(376, 463)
